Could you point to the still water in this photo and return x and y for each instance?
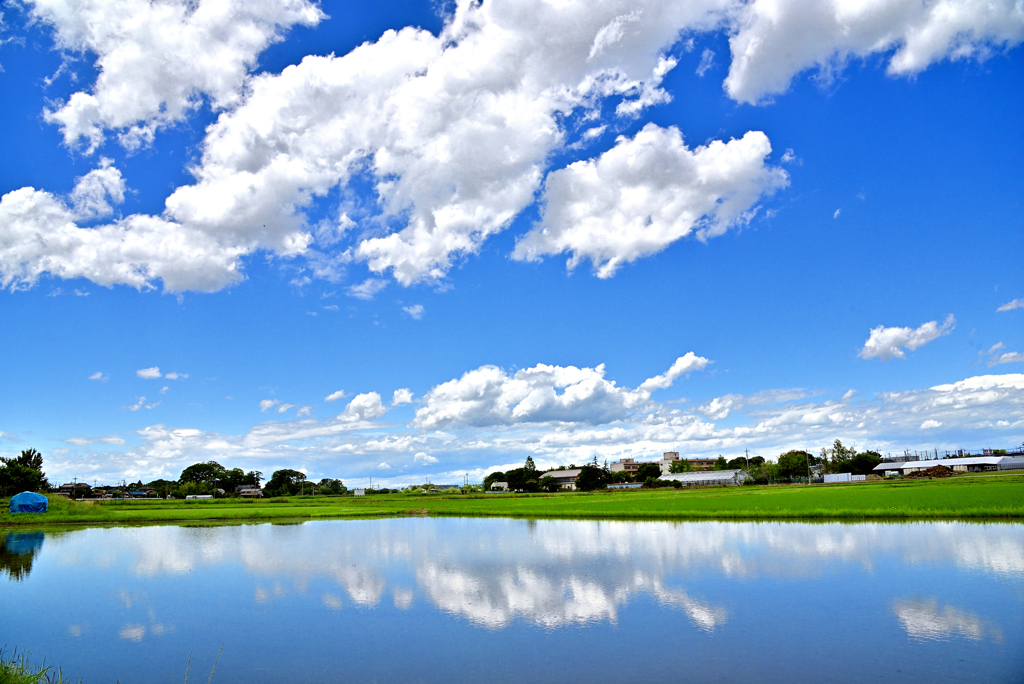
(468, 600)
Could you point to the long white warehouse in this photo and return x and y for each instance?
(969, 464)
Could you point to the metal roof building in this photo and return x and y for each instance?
(706, 478)
(566, 479)
(970, 464)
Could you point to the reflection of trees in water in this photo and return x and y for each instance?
(17, 551)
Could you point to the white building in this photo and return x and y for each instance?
(708, 478)
(566, 479)
(970, 464)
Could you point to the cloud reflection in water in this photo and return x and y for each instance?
(554, 573)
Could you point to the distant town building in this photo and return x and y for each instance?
(627, 464)
(667, 459)
(359, 492)
(566, 479)
(499, 487)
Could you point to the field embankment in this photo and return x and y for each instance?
(951, 499)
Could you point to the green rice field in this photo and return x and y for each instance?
(952, 499)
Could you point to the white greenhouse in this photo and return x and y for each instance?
(708, 478)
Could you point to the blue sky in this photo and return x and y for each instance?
(418, 241)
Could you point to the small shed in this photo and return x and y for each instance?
(29, 502)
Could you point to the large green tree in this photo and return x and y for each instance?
(209, 472)
(285, 482)
(591, 478)
(329, 485)
(23, 473)
(794, 464)
(647, 470)
(864, 463)
(683, 465)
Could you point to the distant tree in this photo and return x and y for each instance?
(737, 463)
(591, 478)
(23, 473)
(331, 486)
(864, 463)
(793, 464)
(529, 465)
(756, 461)
(496, 476)
(841, 457)
(683, 465)
(29, 458)
(620, 476)
(209, 472)
(163, 488)
(522, 479)
(721, 463)
(548, 484)
(192, 489)
(285, 482)
(648, 470)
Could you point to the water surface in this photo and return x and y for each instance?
(453, 600)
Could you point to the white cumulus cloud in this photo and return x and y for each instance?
(683, 365)
(96, 191)
(363, 407)
(401, 396)
(773, 40)
(426, 459)
(149, 373)
(334, 396)
(39, 234)
(931, 424)
(268, 404)
(889, 343)
(647, 192)
(156, 60)
(490, 396)
(100, 376)
(457, 128)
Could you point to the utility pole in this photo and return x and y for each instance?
(807, 460)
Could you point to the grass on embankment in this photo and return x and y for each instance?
(953, 498)
(15, 669)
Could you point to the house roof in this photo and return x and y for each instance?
(571, 472)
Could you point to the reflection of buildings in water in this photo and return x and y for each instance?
(922, 619)
(17, 551)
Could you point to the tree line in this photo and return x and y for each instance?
(25, 473)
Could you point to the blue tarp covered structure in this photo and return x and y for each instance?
(29, 502)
